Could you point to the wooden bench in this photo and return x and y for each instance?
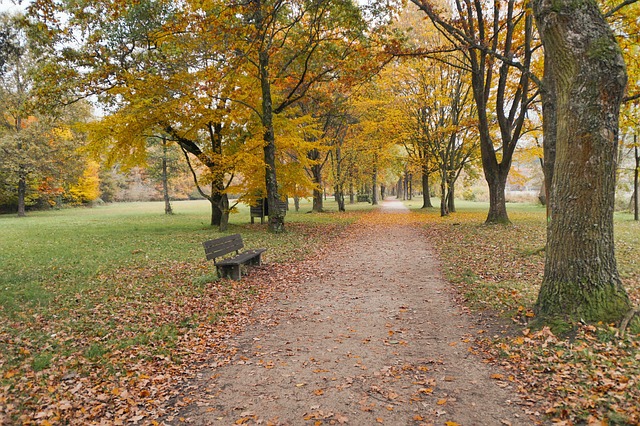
(261, 209)
(230, 267)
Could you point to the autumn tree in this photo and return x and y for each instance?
(290, 47)
(439, 113)
(377, 130)
(622, 16)
(585, 74)
(159, 70)
(496, 40)
(39, 160)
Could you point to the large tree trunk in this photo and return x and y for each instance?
(497, 181)
(426, 197)
(581, 278)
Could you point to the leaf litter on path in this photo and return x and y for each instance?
(375, 338)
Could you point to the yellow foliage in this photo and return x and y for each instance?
(88, 186)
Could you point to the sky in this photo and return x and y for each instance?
(13, 6)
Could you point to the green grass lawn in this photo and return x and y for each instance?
(54, 252)
(78, 286)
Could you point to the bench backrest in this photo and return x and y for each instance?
(221, 246)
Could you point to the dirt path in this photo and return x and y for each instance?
(374, 339)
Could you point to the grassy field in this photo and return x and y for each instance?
(94, 291)
(101, 308)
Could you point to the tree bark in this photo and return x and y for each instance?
(444, 207)
(165, 178)
(426, 197)
(276, 217)
(497, 181)
(316, 176)
(549, 130)
(352, 195)
(581, 280)
(635, 184)
(374, 181)
(451, 202)
(22, 192)
(339, 195)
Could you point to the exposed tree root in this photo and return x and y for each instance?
(627, 319)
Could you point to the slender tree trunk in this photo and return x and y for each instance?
(22, 191)
(405, 187)
(339, 196)
(400, 188)
(165, 178)
(581, 279)
(339, 186)
(374, 181)
(276, 217)
(223, 206)
(444, 207)
(635, 183)
(543, 194)
(316, 177)
(426, 197)
(352, 196)
(549, 130)
(451, 193)
(318, 205)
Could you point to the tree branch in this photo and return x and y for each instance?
(625, 3)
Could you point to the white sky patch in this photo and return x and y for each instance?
(13, 6)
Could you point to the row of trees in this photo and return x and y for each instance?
(222, 80)
(582, 88)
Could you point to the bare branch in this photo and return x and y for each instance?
(625, 3)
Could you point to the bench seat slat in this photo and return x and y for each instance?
(241, 258)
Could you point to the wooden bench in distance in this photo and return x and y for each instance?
(230, 267)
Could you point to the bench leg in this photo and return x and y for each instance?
(230, 271)
(235, 272)
(256, 260)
